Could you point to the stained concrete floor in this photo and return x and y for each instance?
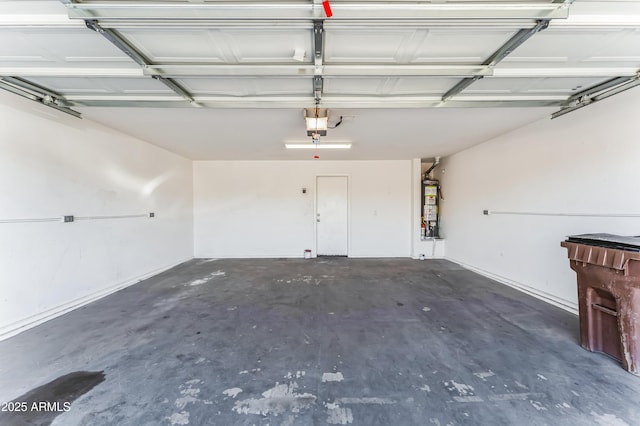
(315, 342)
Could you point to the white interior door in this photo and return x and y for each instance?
(332, 214)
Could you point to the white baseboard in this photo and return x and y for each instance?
(18, 327)
(298, 256)
(546, 297)
(378, 256)
(244, 256)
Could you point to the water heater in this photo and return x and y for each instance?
(430, 216)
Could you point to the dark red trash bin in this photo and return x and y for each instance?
(608, 272)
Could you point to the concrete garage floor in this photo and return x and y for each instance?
(315, 342)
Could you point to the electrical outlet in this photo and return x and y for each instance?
(152, 214)
(67, 219)
(485, 212)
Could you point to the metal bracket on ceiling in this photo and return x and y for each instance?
(506, 49)
(176, 88)
(318, 34)
(318, 83)
(117, 40)
(598, 92)
(37, 93)
(613, 82)
(318, 49)
(121, 43)
(514, 42)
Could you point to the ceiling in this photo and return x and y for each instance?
(230, 79)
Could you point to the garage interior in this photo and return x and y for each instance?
(167, 259)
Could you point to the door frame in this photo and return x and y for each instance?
(315, 210)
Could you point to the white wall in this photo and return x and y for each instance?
(52, 164)
(257, 209)
(585, 162)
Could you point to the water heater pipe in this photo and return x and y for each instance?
(433, 166)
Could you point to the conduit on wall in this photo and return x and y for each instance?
(71, 218)
(493, 212)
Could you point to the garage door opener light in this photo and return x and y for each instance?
(317, 121)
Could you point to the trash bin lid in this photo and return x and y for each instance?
(618, 242)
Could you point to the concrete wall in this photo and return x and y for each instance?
(586, 162)
(52, 164)
(257, 209)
